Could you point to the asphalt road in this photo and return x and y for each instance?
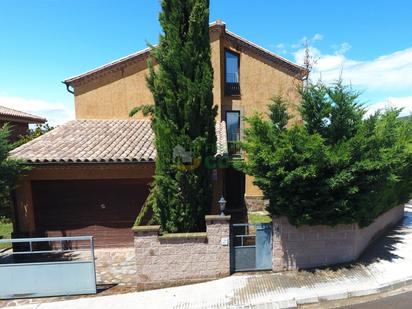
(401, 301)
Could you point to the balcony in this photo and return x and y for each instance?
(234, 149)
(233, 144)
(232, 89)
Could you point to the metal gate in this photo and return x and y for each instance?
(49, 266)
(251, 246)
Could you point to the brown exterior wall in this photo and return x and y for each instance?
(112, 95)
(25, 219)
(24, 208)
(313, 246)
(180, 259)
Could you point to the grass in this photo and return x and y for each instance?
(257, 217)
(5, 232)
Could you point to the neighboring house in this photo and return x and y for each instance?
(92, 175)
(18, 122)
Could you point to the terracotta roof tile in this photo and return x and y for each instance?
(83, 141)
(9, 114)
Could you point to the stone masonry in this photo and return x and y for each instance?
(116, 266)
(181, 258)
(312, 246)
(113, 265)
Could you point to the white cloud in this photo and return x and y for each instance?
(304, 41)
(55, 113)
(342, 48)
(392, 102)
(317, 37)
(389, 72)
(281, 48)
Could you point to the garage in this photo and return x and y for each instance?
(105, 209)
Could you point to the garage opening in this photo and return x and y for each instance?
(104, 209)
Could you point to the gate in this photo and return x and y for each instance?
(251, 246)
(50, 266)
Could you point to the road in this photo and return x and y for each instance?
(401, 301)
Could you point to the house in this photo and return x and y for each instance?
(18, 122)
(92, 175)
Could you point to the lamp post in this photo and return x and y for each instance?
(222, 204)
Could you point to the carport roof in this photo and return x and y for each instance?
(99, 141)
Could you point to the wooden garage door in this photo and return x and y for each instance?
(104, 209)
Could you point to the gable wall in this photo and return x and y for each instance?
(115, 94)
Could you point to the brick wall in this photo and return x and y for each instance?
(312, 246)
(171, 259)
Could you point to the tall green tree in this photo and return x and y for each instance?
(184, 115)
(337, 167)
(9, 171)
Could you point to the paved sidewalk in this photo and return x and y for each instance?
(386, 266)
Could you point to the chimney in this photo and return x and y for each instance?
(221, 25)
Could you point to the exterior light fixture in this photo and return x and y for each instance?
(222, 204)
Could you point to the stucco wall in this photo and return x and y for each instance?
(114, 93)
(182, 258)
(312, 246)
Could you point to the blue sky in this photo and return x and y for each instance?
(46, 41)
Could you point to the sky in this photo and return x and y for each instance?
(367, 43)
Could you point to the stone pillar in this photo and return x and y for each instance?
(218, 249)
(145, 243)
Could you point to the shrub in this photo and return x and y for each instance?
(337, 167)
(9, 171)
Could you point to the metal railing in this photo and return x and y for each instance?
(232, 89)
(61, 240)
(47, 266)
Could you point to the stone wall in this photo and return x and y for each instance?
(170, 259)
(115, 266)
(255, 203)
(312, 246)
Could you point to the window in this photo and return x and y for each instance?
(233, 131)
(231, 73)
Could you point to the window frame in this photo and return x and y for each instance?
(236, 150)
(230, 51)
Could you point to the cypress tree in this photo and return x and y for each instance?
(184, 115)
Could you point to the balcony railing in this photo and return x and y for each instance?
(233, 144)
(232, 89)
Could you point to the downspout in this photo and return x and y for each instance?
(68, 88)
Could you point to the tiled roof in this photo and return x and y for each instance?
(104, 141)
(9, 114)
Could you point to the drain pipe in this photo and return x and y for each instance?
(68, 88)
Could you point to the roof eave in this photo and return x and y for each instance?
(300, 71)
(23, 120)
